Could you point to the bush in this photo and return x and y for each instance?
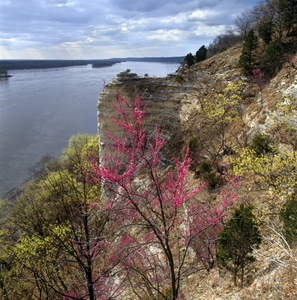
(205, 168)
(208, 172)
(237, 241)
(179, 78)
(193, 144)
(288, 216)
(274, 50)
(262, 144)
(224, 48)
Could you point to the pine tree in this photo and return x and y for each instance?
(236, 242)
(201, 54)
(288, 13)
(265, 31)
(247, 59)
(189, 59)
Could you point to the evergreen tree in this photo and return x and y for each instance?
(236, 242)
(189, 59)
(274, 58)
(201, 54)
(246, 59)
(265, 31)
(288, 13)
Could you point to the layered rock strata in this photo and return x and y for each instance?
(164, 99)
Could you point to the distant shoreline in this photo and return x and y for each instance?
(96, 63)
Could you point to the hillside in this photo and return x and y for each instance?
(174, 103)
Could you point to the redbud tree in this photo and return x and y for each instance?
(258, 78)
(152, 204)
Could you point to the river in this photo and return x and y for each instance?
(41, 109)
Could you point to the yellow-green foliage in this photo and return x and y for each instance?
(36, 239)
(276, 172)
(52, 201)
(32, 249)
(80, 148)
(214, 118)
(224, 107)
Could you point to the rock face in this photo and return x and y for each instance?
(164, 99)
(171, 100)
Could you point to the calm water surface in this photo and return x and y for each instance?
(41, 109)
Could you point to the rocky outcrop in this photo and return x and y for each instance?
(171, 100)
(164, 99)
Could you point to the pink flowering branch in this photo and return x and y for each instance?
(204, 243)
(259, 79)
(151, 204)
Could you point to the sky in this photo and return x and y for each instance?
(99, 29)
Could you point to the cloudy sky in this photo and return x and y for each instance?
(90, 29)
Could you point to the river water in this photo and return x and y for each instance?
(41, 109)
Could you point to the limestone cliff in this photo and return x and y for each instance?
(164, 99)
(171, 100)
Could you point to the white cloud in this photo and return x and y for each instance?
(209, 31)
(198, 15)
(166, 35)
(88, 27)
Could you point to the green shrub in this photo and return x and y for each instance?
(193, 144)
(179, 78)
(201, 54)
(205, 168)
(288, 216)
(274, 50)
(236, 242)
(262, 144)
(189, 59)
(208, 172)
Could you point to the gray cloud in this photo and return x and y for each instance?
(99, 28)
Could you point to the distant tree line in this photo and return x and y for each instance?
(45, 64)
(39, 64)
(102, 64)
